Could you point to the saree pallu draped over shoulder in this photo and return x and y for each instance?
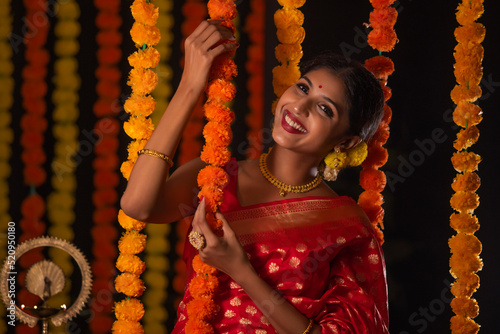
(319, 253)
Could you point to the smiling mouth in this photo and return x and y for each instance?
(294, 124)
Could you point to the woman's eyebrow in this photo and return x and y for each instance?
(324, 96)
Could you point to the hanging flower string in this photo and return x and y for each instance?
(139, 127)
(465, 247)
(33, 126)
(212, 179)
(255, 28)
(288, 21)
(106, 161)
(158, 244)
(194, 12)
(383, 38)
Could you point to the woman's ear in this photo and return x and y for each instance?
(347, 143)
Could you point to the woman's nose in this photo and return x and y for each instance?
(300, 106)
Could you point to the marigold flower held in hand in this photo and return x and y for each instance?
(129, 285)
(132, 242)
(201, 267)
(129, 309)
(465, 285)
(222, 9)
(465, 161)
(466, 138)
(145, 12)
(464, 222)
(213, 197)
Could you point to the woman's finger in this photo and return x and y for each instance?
(228, 231)
(202, 225)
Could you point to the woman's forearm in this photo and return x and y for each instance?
(281, 314)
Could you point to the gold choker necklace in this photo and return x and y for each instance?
(283, 187)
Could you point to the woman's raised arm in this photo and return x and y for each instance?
(149, 196)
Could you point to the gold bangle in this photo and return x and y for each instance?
(158, 155)
(309, 327)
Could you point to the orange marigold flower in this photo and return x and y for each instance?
(288, 53)
(140, 105)
(464, 222)
(201, 268)
(467, 114)
(382, 39)
(466, 182)
(129, 309)
(463, 325)
(466, 138)
(375, 213)
(221, 90)
(386, 90)
(286, 17)
(463, 264)
(201, 308)
(464, 201)
(381, 3)
(139, 127)
(129, 285)
(370, 197)
(214, 155)
(131, 264)
(377, 157)
(469, 11)
(132, 242)
(465, 306)
(387, 114)
(465, 285)
(468, 75)
(218, 113)
(383, 17)
(212, 176)
(223, 67)
(126, 168)
(203, 286)
(292, 3)
(291, 35)
(372, 179)
(213, 197)
(222, 9)
(148, 58)
(217, 134)
(465, 161)
(462, 93)
(286, 75)
(462, 243)
(473, 32)
(133, 147)
(126, 327)
(142, 81)
(197, 326)
(380, 66)
(142, 34)
(145, 12)
(382, 134)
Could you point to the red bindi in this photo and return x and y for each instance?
(320, 86)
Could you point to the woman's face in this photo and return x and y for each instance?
(312, 115)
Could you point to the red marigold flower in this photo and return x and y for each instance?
(370, 197)
(372, 179)
(222, 10)
(382, 39)
(383, 17)
(224, 68)
(381, 3)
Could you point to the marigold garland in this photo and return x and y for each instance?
(255, 28)
(139, 127)
(33, 126)
(464, 246)
(290, 33)
(382, 37)
(106, 179)
(201, 309)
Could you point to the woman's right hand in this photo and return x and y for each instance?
(200, 52)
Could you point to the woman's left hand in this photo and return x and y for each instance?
(224, 253)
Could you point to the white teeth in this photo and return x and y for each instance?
(294, 125)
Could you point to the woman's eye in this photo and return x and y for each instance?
(327, 110)
(303, 88)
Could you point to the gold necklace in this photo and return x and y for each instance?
(283, 187)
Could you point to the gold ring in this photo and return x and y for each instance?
(197, 240)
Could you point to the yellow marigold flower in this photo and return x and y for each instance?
(131, 264)
(127, 327)
(292, 3)
(148, 58)
(126, 168)
(68, 28)
(467, 114)
(129, 223)
(129, 309)
(130, 285)
(132, 242)
(286, 75)
(142, 81)
(336, 160)
(144, 12)
(139, 127)
(357, 154)
(142, 34)
(465, 161)
(140, 105)
(291, 35)
(288, 53)
(286, 17)
(133, 147)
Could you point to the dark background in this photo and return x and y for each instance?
(419, 175)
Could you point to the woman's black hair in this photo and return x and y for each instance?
(364, 93)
